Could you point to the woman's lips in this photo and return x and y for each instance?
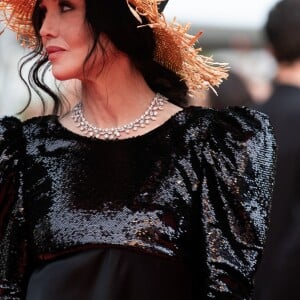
(54, 52)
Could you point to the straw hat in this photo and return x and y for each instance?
(174, 46)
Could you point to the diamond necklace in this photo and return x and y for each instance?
(145, 119)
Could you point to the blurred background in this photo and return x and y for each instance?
(232, 32)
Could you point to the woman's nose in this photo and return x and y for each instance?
(50, 26)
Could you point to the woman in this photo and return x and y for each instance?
(173, 205)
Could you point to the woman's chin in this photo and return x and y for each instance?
(61, 76)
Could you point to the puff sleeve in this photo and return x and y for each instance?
(237, 176)
(13, 244)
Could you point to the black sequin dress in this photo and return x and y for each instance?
(179, 213)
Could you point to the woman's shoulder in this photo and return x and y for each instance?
(12, 125)
(9, 124)
(38, 127)
(11, 142)
(10, 129)
(231, 138)
(39, 122)
(235, 123)
(16, 134)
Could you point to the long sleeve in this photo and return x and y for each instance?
(237, 175)
(13, 244)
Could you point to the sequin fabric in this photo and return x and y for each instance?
(196, 189)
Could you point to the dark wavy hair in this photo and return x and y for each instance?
(233, 92)
(282, 30)
(113, 18)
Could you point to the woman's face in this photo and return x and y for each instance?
(66, 37)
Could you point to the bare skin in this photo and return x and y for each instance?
(115, 96)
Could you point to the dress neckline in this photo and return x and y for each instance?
(152, 132)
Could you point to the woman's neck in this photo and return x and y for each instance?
(117, 96)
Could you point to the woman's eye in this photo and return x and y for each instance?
(65, 7)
